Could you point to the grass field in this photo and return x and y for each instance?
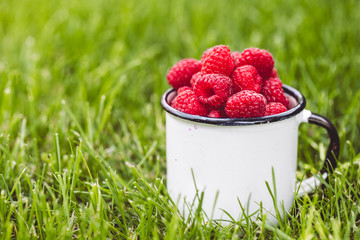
(82, 132)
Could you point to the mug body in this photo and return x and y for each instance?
(241, 166)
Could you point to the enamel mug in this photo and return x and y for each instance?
(237, 167)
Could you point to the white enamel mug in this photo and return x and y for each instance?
(237, 167)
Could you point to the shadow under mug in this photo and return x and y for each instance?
(240, 165)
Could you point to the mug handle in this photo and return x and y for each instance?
(308, 185)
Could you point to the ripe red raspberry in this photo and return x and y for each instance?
(273, 92)
(205, 54)
(236, 56)
(218, 60)
(261, 59)
(274, 73)
(246, 78)
(195, 77)
(213, 89)
(186, 101)
(180, 74)
(245, 104)
(181, 89)
(217, 113)
(274, 108)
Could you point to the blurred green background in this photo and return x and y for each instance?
(90, 74)
(82, 51)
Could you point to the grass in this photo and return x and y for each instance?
(82, 133)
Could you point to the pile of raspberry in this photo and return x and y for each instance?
(228, 84)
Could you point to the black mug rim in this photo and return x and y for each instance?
(239, 121)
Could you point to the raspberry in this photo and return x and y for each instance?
(245, 104)
(274, 73)
(236, 56)
(180, 74)
(274, 108)
(218, 113)
(181, 89)
(213, 89)
(195, 77)
(217, 60)
(273, 92)
(246, 78)
(261, 59)
(186, 101)
(206, 54)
